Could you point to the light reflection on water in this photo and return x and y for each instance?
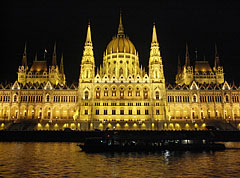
(66, 160)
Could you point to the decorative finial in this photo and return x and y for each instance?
(54, 57)
(154, 34)
(120, 27)
(88, 38)
(187, 60)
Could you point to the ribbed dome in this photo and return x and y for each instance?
(121, 44)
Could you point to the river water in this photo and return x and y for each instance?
(23, 160)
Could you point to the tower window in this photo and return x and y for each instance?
(86, 95)
(157, 95)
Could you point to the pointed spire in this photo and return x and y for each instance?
(35, 57)
(216, 61)
(187, 59)
(216, 51)
(24, 59)
(88, 38)
(154, 34)
(120, 27)
(179, 69)
(61, 65)
(54, 57)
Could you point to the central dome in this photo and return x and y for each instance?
(120, 43)
(120, 58)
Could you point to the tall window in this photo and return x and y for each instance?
(122, 112)
(157, 95)
(121, 94)
(86, 95)
(130, 112)
(113, 92)
(97, 111)
(138, 92)
(145, 93)
(120, 71)
(194, 98)
(47, 98)
(138, 112)
(105, 112)
(146, 111)
(113, 112)
(15, 98)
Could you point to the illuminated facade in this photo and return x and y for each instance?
(120, 95)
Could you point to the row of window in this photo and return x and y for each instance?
(203, 98)
(121, 94)
(130, 112)
(39, 98)
(31, 98)
(58, 99)
(123, 104)
(4, 98)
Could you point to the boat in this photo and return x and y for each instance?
(117, 143)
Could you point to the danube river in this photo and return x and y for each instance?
(66, 160)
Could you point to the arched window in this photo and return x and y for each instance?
(145, 93)
(138, 92)
(129, 92)
(47, 98)
(227, 98)
(121, 71)
(195, 98)
(15, 98)
(157, 95)
(86, 95)
(114, 92)
(105, 92)
(97, 93)
(121, 93)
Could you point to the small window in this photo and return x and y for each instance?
(130, 112)
(47, 98)
(97, 111)
(113, 112)
(157, 95)
(86, 95)
(138, 112)
(146, 112)
(122, 112)
(105, 112)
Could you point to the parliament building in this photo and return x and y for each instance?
(120, 94)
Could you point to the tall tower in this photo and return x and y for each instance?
(86, 78)
(218, 69)
(22, 70)
(157, 80)
(87, 72)
(155, 60)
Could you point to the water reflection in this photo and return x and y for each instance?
(65, 160)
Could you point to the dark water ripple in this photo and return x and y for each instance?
(66, 160)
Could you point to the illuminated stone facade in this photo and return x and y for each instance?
(120, 95)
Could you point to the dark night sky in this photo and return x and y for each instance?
(199, 23)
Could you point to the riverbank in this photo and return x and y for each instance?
(79, 136)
